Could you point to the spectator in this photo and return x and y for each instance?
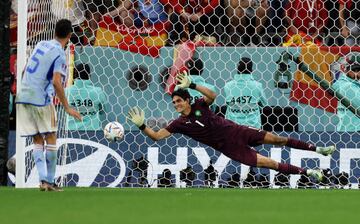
(191, 18)
(73, 10)
(13, 23)
(350, 27)
(333, 25)
(95, 9)
(244, 16)
(348, 86)
(87, 98)
(141, 13)
(196, 67)
(306, 18)
(244, 96)
(275, 28)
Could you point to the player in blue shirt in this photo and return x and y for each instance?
(235, 141)
(44, 75)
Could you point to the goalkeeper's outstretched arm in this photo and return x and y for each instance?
(184, 81)
(156, 135)
(209, 95)
(137, 116)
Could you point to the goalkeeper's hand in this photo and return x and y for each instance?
(184, 80)
(136, 116)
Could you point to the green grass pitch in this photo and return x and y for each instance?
(170, 206)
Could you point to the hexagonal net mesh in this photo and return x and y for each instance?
(287, 67)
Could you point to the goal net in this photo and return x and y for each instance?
(127, 53)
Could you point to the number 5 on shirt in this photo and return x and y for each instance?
(33, 66)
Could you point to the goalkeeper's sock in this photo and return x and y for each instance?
(39, 158)
(290, 169)
(297, 144)
(51, 158)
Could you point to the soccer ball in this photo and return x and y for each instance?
(114, 131)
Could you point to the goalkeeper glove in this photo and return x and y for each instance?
(184, 81)
(137, 116)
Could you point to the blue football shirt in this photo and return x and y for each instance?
(37, 89)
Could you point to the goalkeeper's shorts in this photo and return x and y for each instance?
(240, 147)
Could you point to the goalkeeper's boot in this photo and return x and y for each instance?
(327, 150)
(316, 174)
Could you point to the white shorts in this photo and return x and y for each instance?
(35, 120)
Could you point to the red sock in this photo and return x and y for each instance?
(297, 144)
(290, 169)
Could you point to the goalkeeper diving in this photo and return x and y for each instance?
(233, 140)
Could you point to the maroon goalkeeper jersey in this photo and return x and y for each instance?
(219, 133)
(204, 126)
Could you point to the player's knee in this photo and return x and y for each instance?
(51, 138)
(38, 140)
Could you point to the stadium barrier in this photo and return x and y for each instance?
(95, 163)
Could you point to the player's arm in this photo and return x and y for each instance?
(156, 135)
(60, 92)
(61, 95)
(209, 95)
(137, 116)
(185, 82)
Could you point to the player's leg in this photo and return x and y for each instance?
(249, 156)
(51, 156)
(40, 161)
(48, 124)
(297, 144)
(284, 168)
(27, 121)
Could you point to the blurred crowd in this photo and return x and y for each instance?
(224, 22)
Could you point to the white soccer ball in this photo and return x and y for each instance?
(114, 131)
